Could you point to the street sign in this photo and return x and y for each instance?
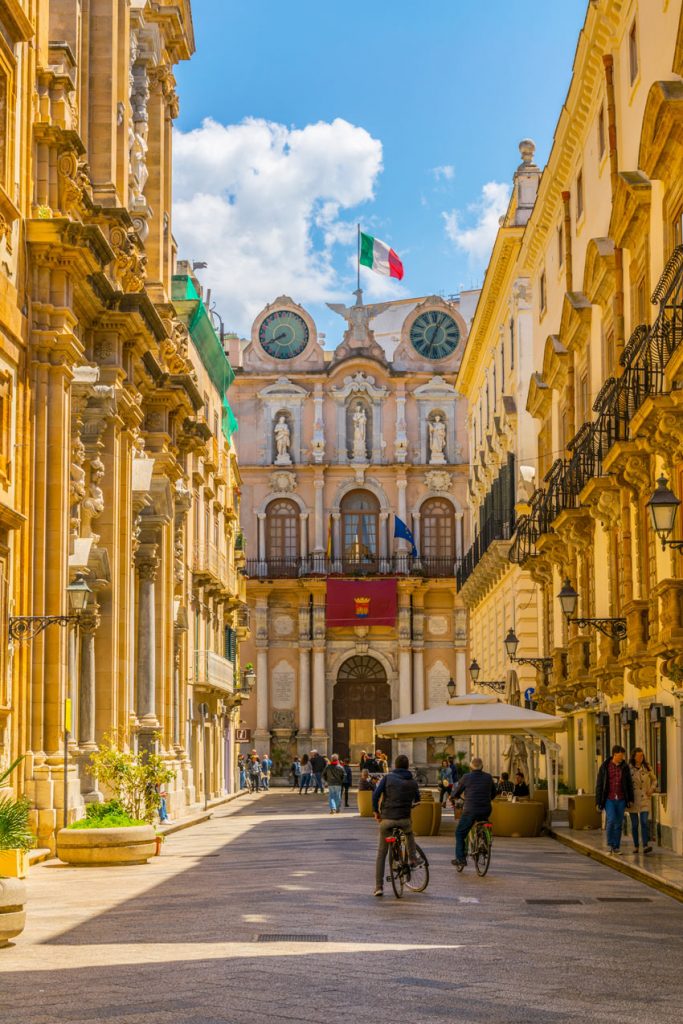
(529, 692)
(243, 735)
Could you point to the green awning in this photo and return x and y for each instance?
(207, 343)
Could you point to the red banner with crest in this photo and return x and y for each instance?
(361, 602)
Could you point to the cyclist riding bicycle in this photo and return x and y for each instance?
(392, 801)
(478, 789)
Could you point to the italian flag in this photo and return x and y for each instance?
(378, 256)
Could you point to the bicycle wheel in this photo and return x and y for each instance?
(396, 869)
(417, 879)
(483, 858)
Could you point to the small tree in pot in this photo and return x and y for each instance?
(16, 837)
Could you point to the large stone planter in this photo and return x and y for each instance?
(88, 847)
(364, 797)
(517, 819)
(13, 863)
(12, 913)
(426, 816)
(582, 812)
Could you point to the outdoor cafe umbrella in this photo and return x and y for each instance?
(478, 714)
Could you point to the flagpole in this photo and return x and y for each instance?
(358, 258)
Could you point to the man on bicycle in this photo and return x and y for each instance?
(479, 790)
(392, 801)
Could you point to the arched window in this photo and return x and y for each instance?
(360, 525)
(438, 537)
(282, 536)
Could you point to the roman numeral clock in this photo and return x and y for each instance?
(434, 335)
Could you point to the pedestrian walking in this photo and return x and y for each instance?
(362, 761)
(614, 794)
(242, 769)
(163, 813)
(295, 773)
(255, 773)
(348, 779)
(266, 767)
(445, 782)
(644, 785)
(306, 774)
(318, 763)
(333, 775)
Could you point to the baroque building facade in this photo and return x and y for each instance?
(335, 448)
(590, 294)
(107, 423)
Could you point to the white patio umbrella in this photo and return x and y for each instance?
(478, 714)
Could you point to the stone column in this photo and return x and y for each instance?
(405, 681)
(402, 546)
(336, 542)
(417, 516)
(319, 731)
(304, 689)
(89, 621)
(319, 485)
(262, 734)
(459, 534)
(384, 560)
(148, 564)
(460, 673)
(177, 634)
(419, 746)
(261, 544)
(303, 539)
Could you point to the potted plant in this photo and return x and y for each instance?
(119, 831)
(15, 840)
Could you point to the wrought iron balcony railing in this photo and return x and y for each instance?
(321, 565)
(644, 359)
(492, 530)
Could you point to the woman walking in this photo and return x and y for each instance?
(306, 773)
(445, 783)
(644, 785)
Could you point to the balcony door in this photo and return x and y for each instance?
(438, 537)
(282, 537)
(360, 532)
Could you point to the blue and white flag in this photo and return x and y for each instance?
(401, 532)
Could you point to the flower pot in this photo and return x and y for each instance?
(364, 797)
(13, 863)
(582, 812)
(12, 913)
(517, 819)
(89, 847)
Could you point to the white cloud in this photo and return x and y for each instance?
(477, 241)
(262, 204)
(445, 171)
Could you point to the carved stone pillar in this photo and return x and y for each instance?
(262, 735)
(319, 730)
(417, 516)
(384, 561)
(405, 681)
(88, 623)
(261, 542)
(336, 542)
(303, 537)
(147, 564)
(304, 689)
(319, 485)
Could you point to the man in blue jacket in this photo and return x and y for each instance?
(479, 790)
(393, 799)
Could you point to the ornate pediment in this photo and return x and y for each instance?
(285, 389)
(438, 387)
(359, 383)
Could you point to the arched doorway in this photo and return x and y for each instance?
(362, 697)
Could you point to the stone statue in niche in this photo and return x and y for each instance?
(77, 483)
(437, 441)
(283, 440)
(360, 426)
(93, 505)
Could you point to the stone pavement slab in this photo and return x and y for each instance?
(661, 869)
(265, 914)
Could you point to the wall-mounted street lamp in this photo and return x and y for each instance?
(26, 627)
(493, 684)
(451, 687)
(568, 598)
(663, 506)
(511, 643)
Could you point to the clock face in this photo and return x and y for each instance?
(283, 334)
(435, 335)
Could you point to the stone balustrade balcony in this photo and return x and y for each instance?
(213, 672)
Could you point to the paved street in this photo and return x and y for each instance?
(199, 935)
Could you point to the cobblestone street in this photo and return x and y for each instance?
(265, 913)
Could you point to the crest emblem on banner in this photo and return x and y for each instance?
(362, 607)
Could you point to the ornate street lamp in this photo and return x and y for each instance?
(663, 506)
(612, 627)
(26, 627)
(451, 687)
(511, 644)
(493, 684)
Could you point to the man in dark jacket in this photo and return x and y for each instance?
(392, 801)
(479, 790)
(613, 794)
(348, 779)
(318, 763)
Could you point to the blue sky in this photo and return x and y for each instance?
(404, 116)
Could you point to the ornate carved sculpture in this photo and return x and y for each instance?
(130, 262)
(283, 481)
(77, 485)
(438, 480)
(358, 337)
(360, 424)
(93, 505)
(437, 441)
(282, 442)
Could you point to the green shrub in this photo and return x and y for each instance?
(115, 819)
(14, 831)
(132, 778)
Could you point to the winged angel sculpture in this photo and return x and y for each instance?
(358, 335)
